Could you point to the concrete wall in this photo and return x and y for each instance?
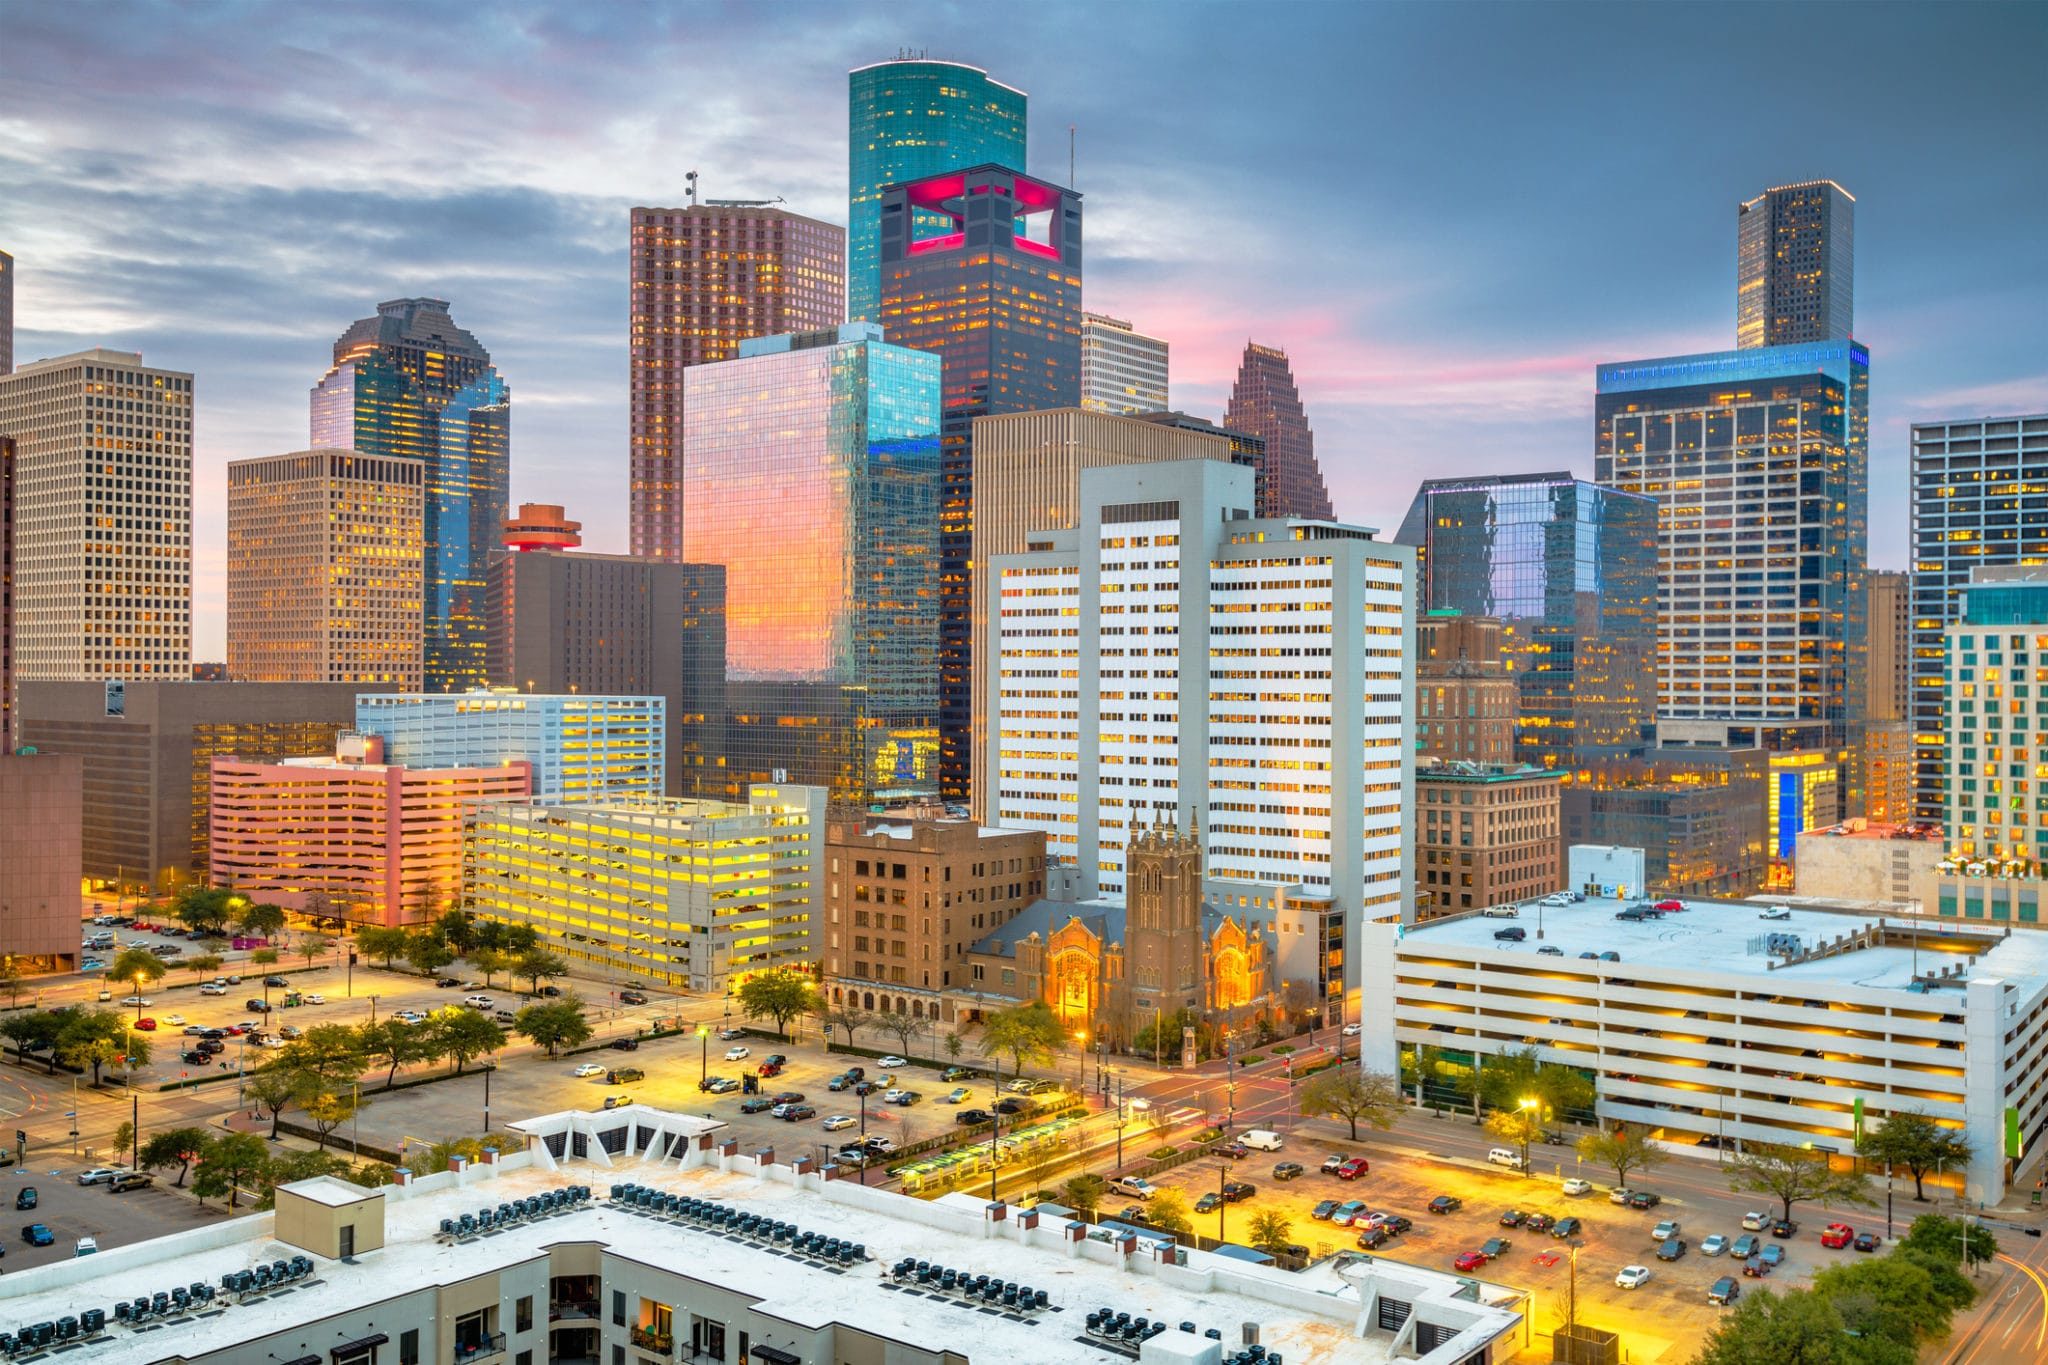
(42, 810)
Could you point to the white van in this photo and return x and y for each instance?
(1262, 1140)
(1505, 1156)
(1502, 912)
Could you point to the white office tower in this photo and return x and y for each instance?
(1175, 659)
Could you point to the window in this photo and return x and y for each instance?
(409, 1347)
(618, 1308)
(522, 1315)
(523, 1358)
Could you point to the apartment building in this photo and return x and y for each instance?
(1486, 834)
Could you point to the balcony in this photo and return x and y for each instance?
(569, 1310)
(653, 1342)
(468, 1349)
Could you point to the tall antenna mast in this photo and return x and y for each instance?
(690, 179)
(1070, 156)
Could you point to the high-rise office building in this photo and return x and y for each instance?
(410, 384)
(102, 517)
(1122, 369)
(1486, 835)
(1795, 254)
(998, 299)
(1027, 479)
(614, 625)
(704, 278)
(1174, 657)
(1997, 721)
(1466, 701)
(6, 313)
(1888, 729)
(811, 474)
(1759, 463)
(1569, 569)
(6, 594)
(1973, 505)
(908, 119)
(1265, 403)
(577, 747)
(324, 568)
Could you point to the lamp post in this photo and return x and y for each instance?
(1222, 1203)
(864, 1152)
(704, 1056)
(1121, 1117)
(138, 997)
(1081, 1060)
(1529, 1106)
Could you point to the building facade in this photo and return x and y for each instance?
(1487, 834)
(704, 278)
(1888, 749)
(696, 895)
(813, 477)
(578, 747)
(1795, 258)
(1698, 814)
(614, 625)
(1759, 462)
(997, 297)
(102, 518)
(1713, 1034)
(1265, 403)
(6, 314)
(1973, 504)
(42, 841)
(908, 119)
(1175, 657)
(6, 594)
(1995, 813)
(350, 835)
(1569, 569)
(148, 750)
(1027, 479)
(1862, 860)
(907, 895)
(1122, 369)
(324, 573)
(1466, 701)
(410, 384)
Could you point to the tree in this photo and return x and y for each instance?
(462, 1035)
(1167, 1210)
(953, 1046)
(1271, 1232)
(137, 967)
(1351, 1095)
(295, 1163)
(124, 1139)
(1887, 1297)
(488, 962)
(538, 964)
(327, 1110)
(1626, 1148)
(780, 995)
(1516, 1128)
(331, 1053)
(1508, 1078)
(556, 1023)
(203, 909)
(264, 957)
(1083, 1193)
(314, 945)
(455, 929)
(903, 1027)
(1030, 1033)
(35, 1031)
(392, 1043)
(1795, 1328)
(1163, 1035)
(1919, 1144)
(262, 920)
(234, 1160)
(520, 938)
(202, 965)
(1794, 1175)
(178, 1147)
(844, 1017)
(276, 1090)
(11, 978)
(426, 953)
(317, 906)
(379, 941)
(1946, 1239)
(98, 1039)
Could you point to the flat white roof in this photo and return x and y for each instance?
(325, 1189)
(1728, 937)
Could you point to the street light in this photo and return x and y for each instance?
(1081, 1059)
(1529, 1106)
(703, 1054)
(138, 997)
(1222, 1203)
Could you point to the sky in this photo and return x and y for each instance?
(1447, 214)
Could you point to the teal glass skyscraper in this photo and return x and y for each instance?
(908, 119)
(409, 382)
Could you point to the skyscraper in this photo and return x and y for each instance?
(1759, 463)
(705, 278)
(6, 313)
(410, 384)
(1995, 721)
(324, 569)
(6, 594)
(1973, 506)
(1122, 369)
(1795, 265)
(1570, 571)
(998, 299)
(102, 518)
(811, 473)
(908, 119)
(1265, 403)
(1888, 753)
(567, 622)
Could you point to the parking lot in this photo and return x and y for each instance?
(70, 1211)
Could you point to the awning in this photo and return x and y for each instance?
(349, 1348)
(774, 1355)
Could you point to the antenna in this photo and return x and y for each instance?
(1070, 156)
(690, 179)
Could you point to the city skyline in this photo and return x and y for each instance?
(1449, 331)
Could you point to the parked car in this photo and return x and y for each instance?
(1137, 1187)
(98, 1175)
(957, 1073)
(726, 1035)
(449, 983)
(1353, 1168)
(1446, 1203)
(141, 1000)
(892, 1063)
(625, 1044)
(1332, 1162)
(1744, 1247)
(1670, 907)
(312, 998)
(1506, 1156)
(838, 1121)
(1724, 1291)
(1467, 1260)
(734, 1054)
(1538, 1222)
(1493, 1248)
(175, 1019)
(1775, 912)
(1512, 1218)
(1713, 1245)
(1321, 1212)
(797, 1113)
(1784, 1227)
(1511, 934)
(1578, 1186)
(482, 1002)
(1867, 1241)
(1567, 1227)
(1010, 1106)
(26, 1197)
(130, 1180)
(290, 1031)
(1665, 1230)
(37, 1235)
(1237, 1191)
(1550, 950)
(255, 1006)
(589, 1069)
(1209, 1202)
(1835, 1236)
(146, 1024)
(275, 981)
(617, 1101)
(1632, 1277)
(1643, 1199)
(213, 988)
(1772, 1255)
(1348, 1212)
(632, 998)
(1287, 1170)
(1375, 1237)
(86, 1246)
(973, 1116)
(1756, 1222)
(1671, 1249)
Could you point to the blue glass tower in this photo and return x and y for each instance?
(1570, 570)
(906, 120)
(409, 382)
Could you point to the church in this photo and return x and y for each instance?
(1110, 968)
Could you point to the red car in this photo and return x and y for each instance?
(1670, 905)
(146, 1024)
(1469, 1260)
(1835, 1236)
(1354, 1168)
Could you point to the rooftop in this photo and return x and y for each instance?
(1731, 937)
(1309, 1317)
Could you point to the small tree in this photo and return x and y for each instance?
(327, 1110)
(426, 953)
(845, 1017)
(261, 921)
(392, 1043)
(178, 1147)
(1083, 1193)
(1798, 1327)
(1949, 1239)
(313, 946)
(953, 1046)
(463, 1035)
(204, 964)
(234, 1160)
(1627, 1148)
(379, 941)
(1271, 1232)
(124, 1139)
(294, 1163)
(557, 1023)
(1030, 1033)
(264, 957)
(332, 1053)
(1352, 1095)
(1167, 1210)
(519, 938)
(1516, 1128)
(274, 1091)
(1919, 1144)
(137, 967)
(202, 909)
(536, 965)
(903, 1027)
(1794, 1175)
(488, 962)
(455, 929)
(780, 995)
(10, 980)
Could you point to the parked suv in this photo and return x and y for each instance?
(1513, 934)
